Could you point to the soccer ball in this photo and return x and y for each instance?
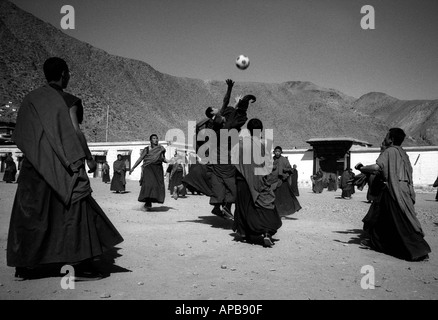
(242, 62)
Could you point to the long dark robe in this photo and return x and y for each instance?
(168, 171)
(332, 182)
(293, 181)
(198, 179)
(10, 170)
(375, 186)
(255, 212)
(285, 199)
(347, 184)
(118, 182)
(105, 173)
(176, 179)
(222, 171)
(391, 221)
(152, 189)
(317, 183)
(54, 218)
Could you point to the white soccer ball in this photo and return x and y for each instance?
(242, 62)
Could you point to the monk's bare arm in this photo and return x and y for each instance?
(139, 160)
(230, 84)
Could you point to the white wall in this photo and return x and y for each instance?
(424, 161)
(303, 158)
(425, 170)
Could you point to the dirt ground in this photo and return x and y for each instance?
(180, 251)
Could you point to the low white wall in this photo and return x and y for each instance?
(424, 160)
(303, 158)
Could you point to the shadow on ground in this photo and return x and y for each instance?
(159, 209)
(214, 221)
(155, 209)
(289, 218)
(106, 263)
(358, 236)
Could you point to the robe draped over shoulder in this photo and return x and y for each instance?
(262, 192)
(397, 172)
(45, 134)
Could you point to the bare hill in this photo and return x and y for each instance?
(141, 100)
(419, 118)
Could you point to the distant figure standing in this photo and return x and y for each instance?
(391, 221)
(105, 172)
(317, 183)
(152, 183)
(10, 169)
(177, 188)
(347, 184)
(285, 200)
(118, 182)
(332, 182)
(293, 178)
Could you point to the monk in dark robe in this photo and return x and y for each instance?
(220, 176)
(106, 172)
(170, 164)
(152, 189)
(256, 219)
(198, 179)
(317, 183)
(10, 169)
(285, 200)
(391, 222)
(193, 180)
(55, 220)
(118, 182)
(332, 182)
(293, 180)
(176, 176)
(347, 183)
(222, 172)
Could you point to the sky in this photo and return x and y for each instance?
(320, 41)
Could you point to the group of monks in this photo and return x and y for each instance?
(56, 221)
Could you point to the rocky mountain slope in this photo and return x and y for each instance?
(140, 100)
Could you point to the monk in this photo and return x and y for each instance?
(347, 185)
(256, 219)
(222, 173)
(317, 183)
(118, 182)
(55, 220)
(293, 180)
(176, 176)
(152, 183)
(391, 222)
(285, 200)
(10, 169)
(105, 172)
